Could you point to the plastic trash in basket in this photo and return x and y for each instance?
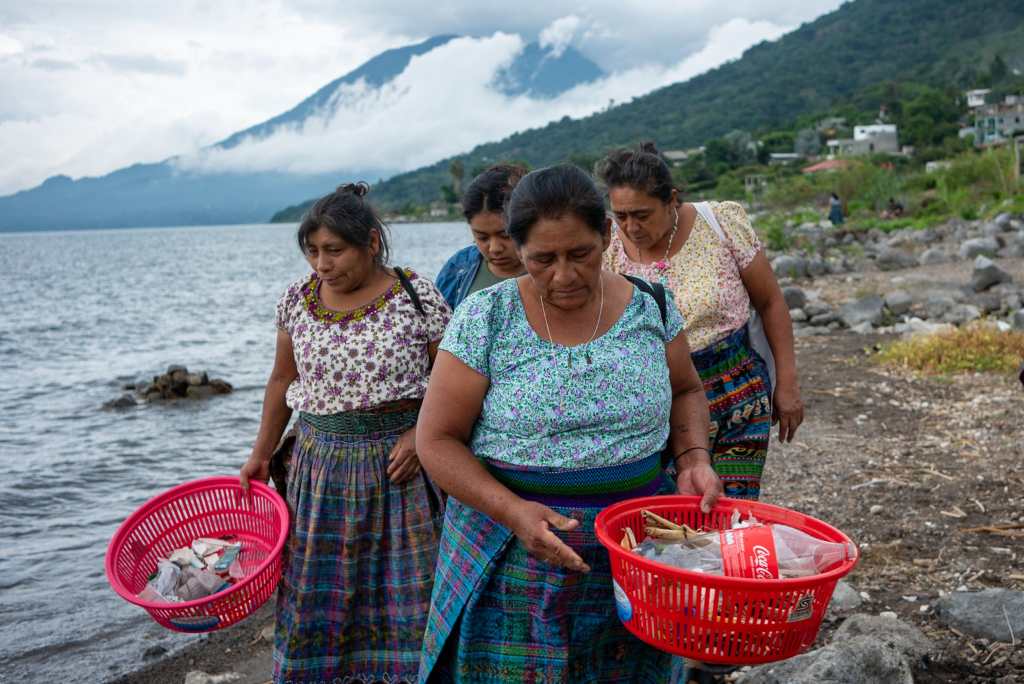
(210, 507)
(708, 617)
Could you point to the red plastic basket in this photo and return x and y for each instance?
(711, 618)
(211, 507)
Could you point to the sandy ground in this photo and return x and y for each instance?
(905, 465)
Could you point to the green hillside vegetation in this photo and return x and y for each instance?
(853, 57)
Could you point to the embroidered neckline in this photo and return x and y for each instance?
(322, 314)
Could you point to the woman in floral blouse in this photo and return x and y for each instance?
(553, 396)
(355, 342)
(714, 262)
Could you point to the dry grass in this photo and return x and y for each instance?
(979, 347)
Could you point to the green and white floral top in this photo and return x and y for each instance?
(608, 405)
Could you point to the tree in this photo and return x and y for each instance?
(807, 143)
(997, 71)
(457, 170)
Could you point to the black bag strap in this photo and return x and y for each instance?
(656, 290)
(409, 289)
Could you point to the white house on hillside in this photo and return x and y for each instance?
(870, 139)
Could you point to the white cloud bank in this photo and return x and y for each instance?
(442, 105)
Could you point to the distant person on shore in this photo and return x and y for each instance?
(355, 343)
(716, 273)
(553, 396)
(835, 210)
(492, 258)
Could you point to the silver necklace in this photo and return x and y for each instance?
(662, 264)
(586, 349)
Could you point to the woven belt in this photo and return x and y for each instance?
(361, 423)
(589, 487)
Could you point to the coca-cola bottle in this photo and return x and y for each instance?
(768, 551)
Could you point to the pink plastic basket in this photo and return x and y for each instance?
(711, 618)
(211, 507)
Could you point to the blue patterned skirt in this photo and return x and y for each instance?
(359, 563)
(499, 614)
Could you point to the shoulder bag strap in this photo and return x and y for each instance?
(708, 214)
(409, 289)
(656, 290)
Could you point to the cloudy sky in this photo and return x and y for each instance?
(88, 86)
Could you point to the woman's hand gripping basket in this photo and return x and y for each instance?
(709, 617)
(213, 507)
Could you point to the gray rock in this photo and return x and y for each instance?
(200, 677)
(125, 401)
(849, 239)
(989, 614)
(171, 370)
(992, 229)
(933, 255)
(979, 246)
(937, 305)
(791, 266)
(891, 259)
(809, 331)
(961, 314)
(844, 599)
(911, 641)
(1017, 320)
(1003, 220)
(865, 309)
(816, 267)
(798, 315)
(986, 274)
(824, 318)
(816, 308)
(988, 302)
(1013, 301)
(863, 328)
(200, 391)
(899, 302)
(795, 297)
(853, 661)
(1014, 251)
(198, 378)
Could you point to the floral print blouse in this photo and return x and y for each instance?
(356, 360)
(549, 406)
(704, 274)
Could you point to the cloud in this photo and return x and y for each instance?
(145, 64)
(558, 34)
(425, 115)
(47, 64)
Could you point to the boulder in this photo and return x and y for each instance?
(988, 302)
(824, 318)
(865, 309)
(986, 614)
(910, 641)
(992, 229)
(795, 297)
(171, 370)
(221, 386)
(198, 378)
(816, 308)
(200, 391)
(844, 599)
(891, 259)
(125, 401)
(1017, 320)
(987, 273)
(791, 266)
(798, 315)
(852, 661)
(933, 255)
(938, 304)
(979, 247)
(962, 314)
(817, 267)
(863, 328)
(1003, 221)
(898, 302)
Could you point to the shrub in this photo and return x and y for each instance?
(978, 347)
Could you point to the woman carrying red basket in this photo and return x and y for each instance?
(355, 343)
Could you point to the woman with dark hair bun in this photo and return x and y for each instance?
(553, 396)
(492, 258)
(710, 256)
(355, 342)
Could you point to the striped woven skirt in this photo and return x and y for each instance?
(738, 389)
(359, 563)
(499, 614)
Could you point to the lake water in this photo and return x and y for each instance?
(81, 314)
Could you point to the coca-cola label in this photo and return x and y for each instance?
(749, 552)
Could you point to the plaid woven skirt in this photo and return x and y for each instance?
(738, 389)
(359, 563)
(499, 614)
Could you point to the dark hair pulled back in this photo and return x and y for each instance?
(489, 192)
(551, 193)
(641, 168)
(346, 213)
